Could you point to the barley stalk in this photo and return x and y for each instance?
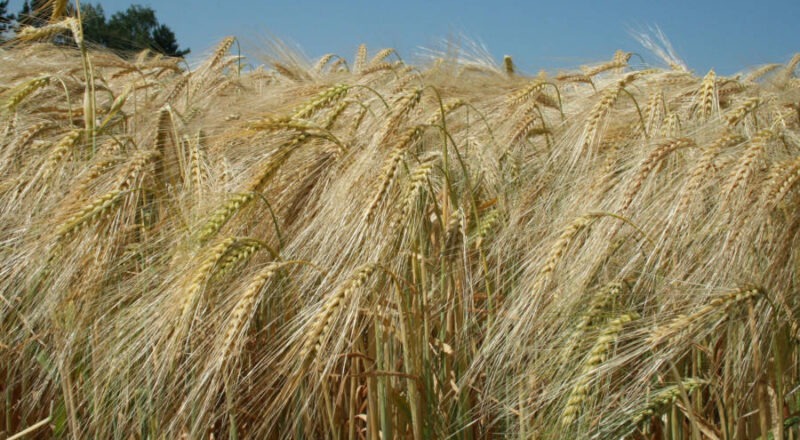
(170, 162)
(446, 109)
(100, 166)
(759, 73)
(242, 313)
(197, 164)
(575, 77)
(244, 308)
(525, 93)
(116, 106)
(486, 225)
(652, 113)
(131, 171)
(672, 125)
(322, 62)
(222, 49)
(270, 166)
(380, 57)
(31, 132)
(177, 89)
(31, 33)
(380, 67)
(526, 127)
(403, 106)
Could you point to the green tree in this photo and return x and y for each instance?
(5, 18)
(34, 13)
(136, 28)
(95, 28)
(164, 41)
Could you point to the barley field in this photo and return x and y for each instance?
(359, 247)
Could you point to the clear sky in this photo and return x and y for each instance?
(726, 35)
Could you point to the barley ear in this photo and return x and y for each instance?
(782, 181)
(26, 90)
(598, 354)
(717, 306)
(320, 325)
(706, 97)
(92, 212)
(221, 215)
(361, 59)
(560, 246)
(664, 397)
(59, 9)
(222, 49)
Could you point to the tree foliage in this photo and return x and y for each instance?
(136, 28)
(133, 29)
(5, 18)
(34, 13)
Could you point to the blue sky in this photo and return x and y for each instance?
(726, 35)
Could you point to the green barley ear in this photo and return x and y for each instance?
(508, 64)
(664, 397)
(718, 306)
(599, 304)
(220, 216)
(598, 354)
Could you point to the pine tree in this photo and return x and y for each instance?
(134, 29)
(35, 13)
(5, 18)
